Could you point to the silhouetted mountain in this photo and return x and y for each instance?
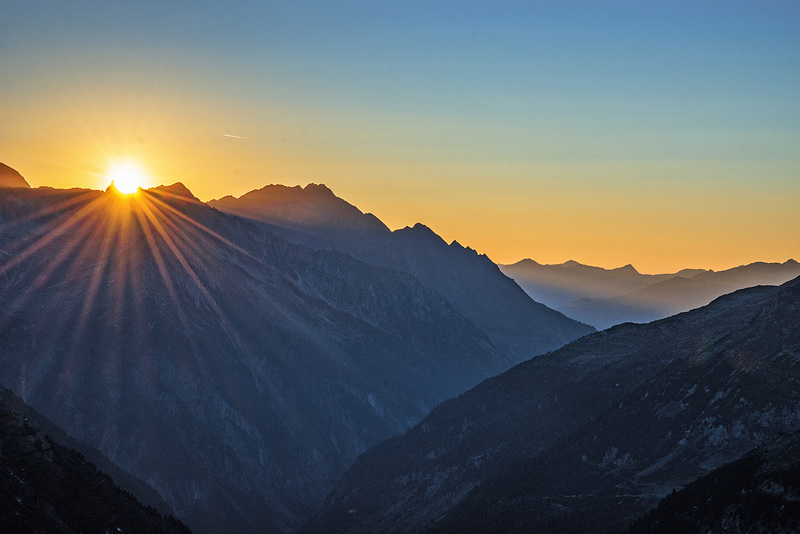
(47, 487)
(587, 438)
(236, 373)
(677, 294)
(311, 216)
(757, 493)
(472, 283)
(558, 285)
(516, 324)
(11, 178)
(604, 298)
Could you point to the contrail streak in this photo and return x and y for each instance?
(234, 136)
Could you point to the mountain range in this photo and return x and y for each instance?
(234, 363)
(591, 436)
(315, 217)
(605, 297)
(236, 373)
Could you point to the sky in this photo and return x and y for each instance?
(665, 134)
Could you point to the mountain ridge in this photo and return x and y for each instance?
(49, 487)
(312, 208)
(605, 297)
(235, 372)
(556, 443)
(516, 325)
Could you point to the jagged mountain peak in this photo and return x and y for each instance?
(320, 189)
(470, 281)
(280, 192)
(112, 188)
(626, 269)
(419, 227)
(177, 191)
(302, 214)
(420, 230)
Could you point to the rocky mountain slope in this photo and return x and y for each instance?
(236, 373)
(144, 493)
(760, 492)
(591, 436)
(313, 216)
(47, 487)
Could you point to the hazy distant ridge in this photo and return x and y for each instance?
(605, 297)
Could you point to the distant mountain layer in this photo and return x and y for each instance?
(589, 437)
(236, 373)
(47, 487)
(557, 285)
(604, 298)
(313, 216)
(11, 178)
(757, 493)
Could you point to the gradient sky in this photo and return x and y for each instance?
(664, 134)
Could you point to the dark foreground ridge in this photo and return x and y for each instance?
(45, 487)
(589, 437)
(757, 493)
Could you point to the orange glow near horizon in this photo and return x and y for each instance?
(621, 147)
(658, 215)
(127, 177)
(598, 220)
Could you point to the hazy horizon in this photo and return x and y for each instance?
(664, 136)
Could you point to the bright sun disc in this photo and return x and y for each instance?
(127, 177)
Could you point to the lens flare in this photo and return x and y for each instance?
(127, 177)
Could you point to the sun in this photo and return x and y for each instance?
(127, 177)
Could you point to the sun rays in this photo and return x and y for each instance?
(113, 251)
(127, 177)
